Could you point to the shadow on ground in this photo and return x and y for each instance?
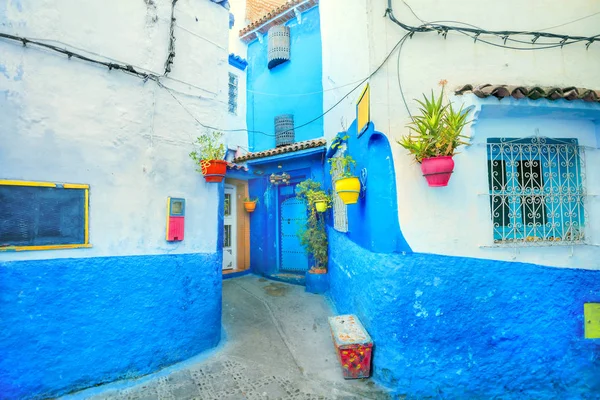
(278, 346)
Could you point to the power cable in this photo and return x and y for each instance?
(145, 71)
(301, 125)
(398, 74)
(475, 32)
(570, 22)
(203, 124)
(304, 94)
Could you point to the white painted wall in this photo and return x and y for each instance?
(239, 48)
(344, 35)
(238, 9)
(69, 121)
(455, 220)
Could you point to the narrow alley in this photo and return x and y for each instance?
(276, 345)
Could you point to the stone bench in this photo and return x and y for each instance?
(353, 345)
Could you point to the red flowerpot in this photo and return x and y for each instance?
(437, 170)
(213, 170)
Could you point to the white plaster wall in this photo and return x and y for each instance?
(238, 120)
(455, 220)
(238, 9)
(70, 121)
(344, 36)
(239, 48)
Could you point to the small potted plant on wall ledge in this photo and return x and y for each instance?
(347, 185)
(434, 136)
(250, 204)
(313, 237)
(209, 156)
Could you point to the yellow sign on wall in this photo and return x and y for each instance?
(591, 313)
(363, 110)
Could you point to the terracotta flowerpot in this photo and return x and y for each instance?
(213, 170)
(437, 170)
(348, 189)
(250, 206)
(321, 206)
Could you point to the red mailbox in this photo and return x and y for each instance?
(175, 219)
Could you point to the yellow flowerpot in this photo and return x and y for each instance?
(321, 206)
(348, 189)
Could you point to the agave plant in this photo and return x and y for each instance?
(437, 130)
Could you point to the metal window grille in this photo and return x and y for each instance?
(537, 191)
(340, 210)
(284, 130)
(233, 93)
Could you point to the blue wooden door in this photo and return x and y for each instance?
(292, 218)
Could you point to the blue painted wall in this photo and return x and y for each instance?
(68, 324)
(373, 221)
(264, 221)
(302, 74)
(452, 327)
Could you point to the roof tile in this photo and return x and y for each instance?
(276, 16)
(531, 92)
(308, 144)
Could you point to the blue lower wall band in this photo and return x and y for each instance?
(453, 327)
(68, 324)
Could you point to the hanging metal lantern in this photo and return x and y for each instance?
(284, 130)
(279, 45)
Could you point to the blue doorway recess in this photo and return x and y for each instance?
(292, 218)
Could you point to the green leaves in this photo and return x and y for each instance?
(344, 164)
(313, 237)
(437, 130)
(209, 147)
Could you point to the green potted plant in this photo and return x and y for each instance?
(250, 203)
(434, 136)
(322, 201)
(209, 156)
(313, 237)
(347, 185)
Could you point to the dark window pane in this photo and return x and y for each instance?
(530, 174)
(497, 183)
(37, 216)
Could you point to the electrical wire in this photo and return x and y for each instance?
(200, 37)
(475, 32)
(144, 70)
(304, 94)
(570, 22)
(412, 30)
(400, 42)
(398, 74)
(206, 125)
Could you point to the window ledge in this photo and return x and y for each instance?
(520, 245)
(47, 247)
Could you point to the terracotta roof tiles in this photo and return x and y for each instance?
(531, 92)
(277, 16)
(308, 144)
(236, 167)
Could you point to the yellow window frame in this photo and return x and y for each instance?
(363, 110)
(86, 207)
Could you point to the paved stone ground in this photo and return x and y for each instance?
(277, 346)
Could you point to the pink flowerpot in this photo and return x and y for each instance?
(437, 170)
